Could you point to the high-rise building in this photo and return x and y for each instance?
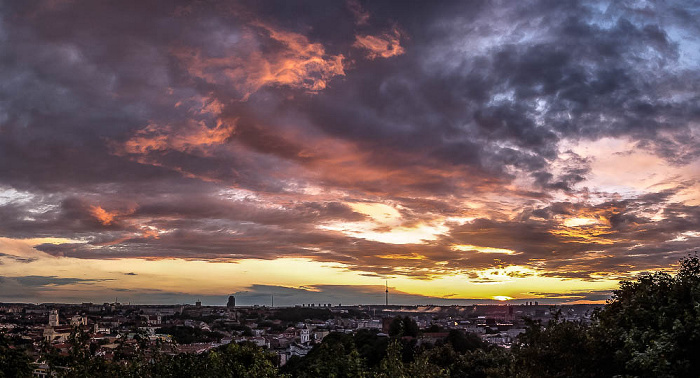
(231, 302)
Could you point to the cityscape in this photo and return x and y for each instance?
(122, 329)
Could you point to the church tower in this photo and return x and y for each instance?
(53, 318)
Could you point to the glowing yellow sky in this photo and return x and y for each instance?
(223, 278)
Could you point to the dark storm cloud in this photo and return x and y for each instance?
(125, 126)
(557, 75)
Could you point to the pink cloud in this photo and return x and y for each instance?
(384, 45)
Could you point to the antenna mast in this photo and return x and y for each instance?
(386, 292)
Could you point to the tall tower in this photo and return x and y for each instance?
(386, 292)
(53, 318)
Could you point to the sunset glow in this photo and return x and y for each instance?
(318, 151)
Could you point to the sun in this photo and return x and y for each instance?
(501, 298)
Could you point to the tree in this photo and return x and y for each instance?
(396, 327)
(336, 356)
(231, 361)
(559, 349)
(403, 327)
(371, 347)
(410, 328)
(462, 342)
(392, 366)
(652, 325)
(650, 328)
(13, 362)
(240, 361)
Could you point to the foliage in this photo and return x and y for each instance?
(487, 362)
(392, 366)
(240, 361)
(403, 327)
(371, 347)
(13, 362)
(232, 361)
(336, 356)
(559, 349)
(650, 328)
(463, 342)
(653, 324)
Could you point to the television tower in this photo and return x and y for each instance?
(386, 292)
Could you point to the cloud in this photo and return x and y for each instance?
(361, 15)
(564, 132)
(385, 45)
(32, 287)
(197, 136)
(23, 250)
(294, 62)
(39, 281)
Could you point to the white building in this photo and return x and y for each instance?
(78, 320)
(53, 318)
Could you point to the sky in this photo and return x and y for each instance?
(317, 150)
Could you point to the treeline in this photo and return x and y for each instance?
(368, 355)
(650, 328)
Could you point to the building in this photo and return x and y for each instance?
(152, 319)
(53, 318)
(78, 320)
(57, 333)
(304, 335)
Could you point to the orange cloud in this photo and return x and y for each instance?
(296, 63)
(102, 215)
(150, 232)
(382, 46)
(159, 138)
(302, 64)
(107, 217)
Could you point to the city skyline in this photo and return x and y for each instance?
(447, 152)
